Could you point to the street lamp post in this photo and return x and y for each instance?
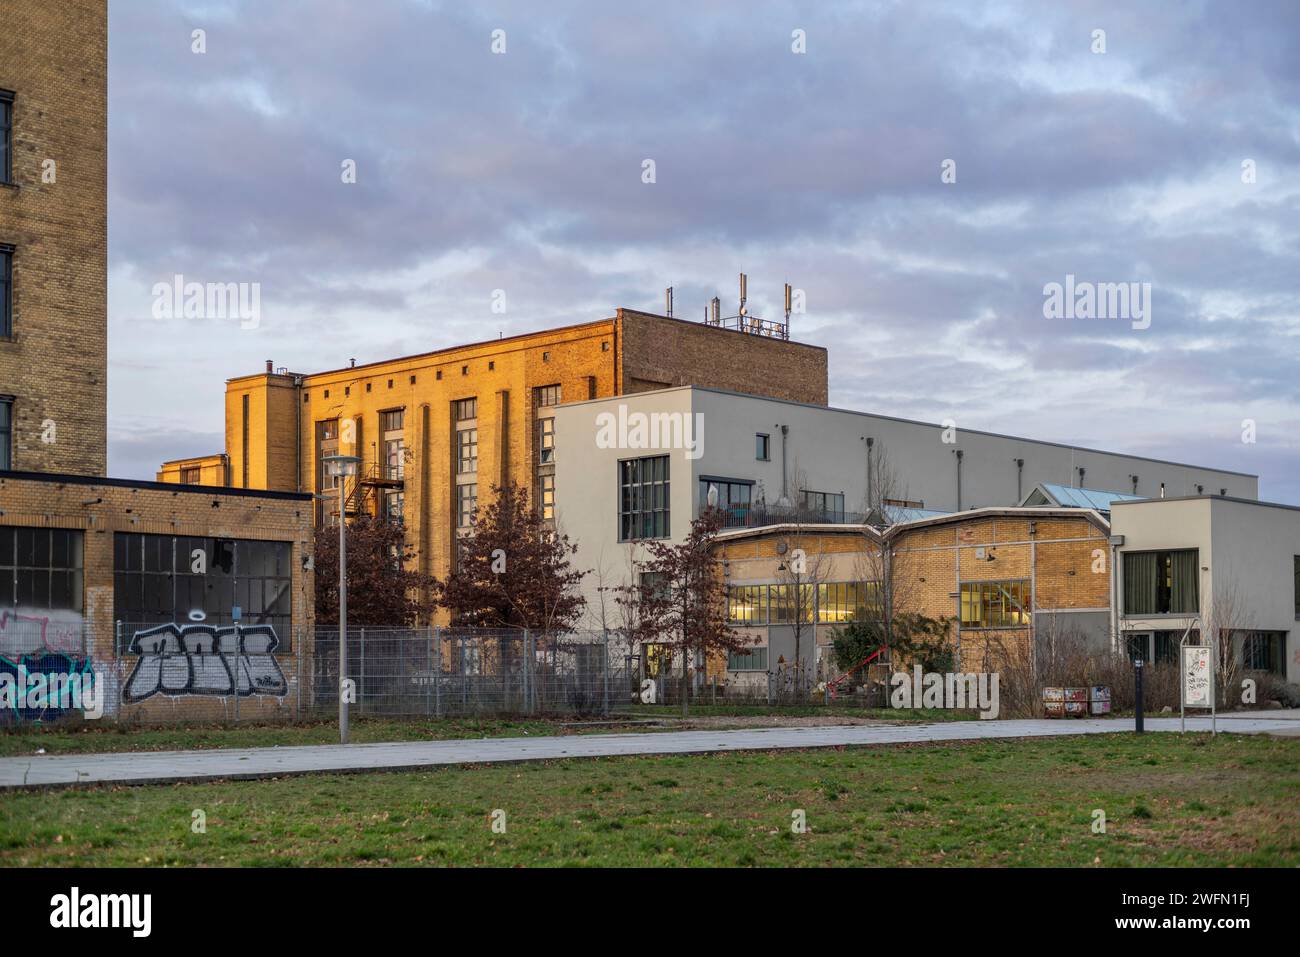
(341, 467)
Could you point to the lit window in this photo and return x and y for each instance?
(998, 604)
(466, 451)
(546, 490)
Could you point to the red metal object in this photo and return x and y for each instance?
(833, 684)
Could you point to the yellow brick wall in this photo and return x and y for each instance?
(103, 508)
(53, 58)
(1065, 557)
(213, 469)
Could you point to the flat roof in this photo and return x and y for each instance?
(894, 418)
(1205, 498)
(57, 478)
(435, 352)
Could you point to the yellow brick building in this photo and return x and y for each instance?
(436, 431)
(1005, 578)
(137, 581)
(53, 249)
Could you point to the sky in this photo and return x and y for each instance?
(921, 172)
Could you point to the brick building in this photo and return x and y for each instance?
(436, 431)
(53, 248)
(139, 582)
(176, 596)
(1006, 578)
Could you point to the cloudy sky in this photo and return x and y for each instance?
(523, 171)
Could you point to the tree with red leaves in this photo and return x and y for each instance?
(683, 598)
(514, 570)
(383, 589)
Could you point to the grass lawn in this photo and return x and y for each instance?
(100, 737)
(1169, 800)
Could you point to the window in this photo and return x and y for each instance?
(466, 502)
(6, 136)
(1297, 558)
(546, 440)
(733, 499)
(1003, 604)
(394, 505)
(848, 601)
(546, 496)
(391, 429)
(763, 447)
(192, 475)
(753, 660)
(786, 609)
(643, 498)
(40, 569)
(547, 395)
(464, 409)
(828, 506)
(466, 451)
(155, 581)
(747, 604)
(6, 433)
(6, 291)
(1158, 647)
(1161, 583)
(1262, 651)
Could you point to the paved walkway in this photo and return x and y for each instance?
(153, 767)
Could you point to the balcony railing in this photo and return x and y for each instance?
(758, 515)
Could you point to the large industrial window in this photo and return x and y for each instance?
(643, 498)
(753, 660)
(1003, 604)
(40, 568)
(6, 290)
(6, 433)
(1161, 583)
(6, 136)
(163, 579)
(789, 606)
(848, 601)
(747, 604)
(547, 395)
(464, 409)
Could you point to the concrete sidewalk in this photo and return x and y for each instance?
(150, 767)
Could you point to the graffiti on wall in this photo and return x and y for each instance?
(27, 631)
(41, 651)
(45, 686)
(204, 659)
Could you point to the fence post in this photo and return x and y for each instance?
(605, 672)
(437, 671)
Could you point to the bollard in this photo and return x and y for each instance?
(1137, 693)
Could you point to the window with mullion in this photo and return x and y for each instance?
(6, 290)
(6, 136)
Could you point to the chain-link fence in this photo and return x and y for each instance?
(452, 671)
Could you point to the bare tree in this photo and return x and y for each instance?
(803, 567)
(1226, 618)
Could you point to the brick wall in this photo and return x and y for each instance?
(53, 59)
(100, 509)
(656, 352)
